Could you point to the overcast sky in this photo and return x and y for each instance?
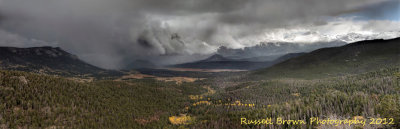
(110, 33)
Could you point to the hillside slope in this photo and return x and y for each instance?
(353, 58)
(44, 60)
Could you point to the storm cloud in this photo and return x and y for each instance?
(112, 33)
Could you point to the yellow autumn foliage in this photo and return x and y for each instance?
(237, 102)
(178, 120)
(296, 94)
(202, 102)
(195, 97)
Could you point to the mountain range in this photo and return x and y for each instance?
(220, 62)
(352, 58)
(269, 51)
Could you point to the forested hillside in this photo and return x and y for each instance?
(353, 58)
(48, 60)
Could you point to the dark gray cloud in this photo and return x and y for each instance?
(110, 33)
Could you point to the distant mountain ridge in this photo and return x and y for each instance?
(216, 57)
(267, 51)
(44, 59)
(217, 61)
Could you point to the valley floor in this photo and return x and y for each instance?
(144, 101)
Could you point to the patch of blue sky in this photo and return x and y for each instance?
(389, 10)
